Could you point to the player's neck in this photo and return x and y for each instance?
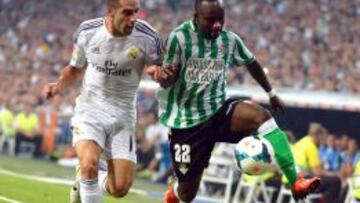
(111, 29)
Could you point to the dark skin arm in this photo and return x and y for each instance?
(257, 72)
(168, 75)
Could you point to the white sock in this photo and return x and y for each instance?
(267, 127)
(90, 191)
(175, 188)
(102, 181)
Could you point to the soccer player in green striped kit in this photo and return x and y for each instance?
(195, 106)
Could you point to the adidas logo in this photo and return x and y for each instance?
(95, 50)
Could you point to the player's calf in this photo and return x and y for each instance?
(187, 196)
(186, 191)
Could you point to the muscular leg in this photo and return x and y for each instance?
(120, 176)
(191, 150)
(186, 190)
(88, 153)
(248, 118)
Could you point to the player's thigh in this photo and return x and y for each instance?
(88, 153)
(247, 117)
(120, 151)
(120, 144)
(190, 151)
(236, 119)
(89, 140)
(121, 174)
(88, 127)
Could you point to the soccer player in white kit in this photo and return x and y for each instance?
(110, 53)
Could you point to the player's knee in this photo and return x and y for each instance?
(262, 116)
(250, 115)
(89, 168)
(120, 189)
(119, 193)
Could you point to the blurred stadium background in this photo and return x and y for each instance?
(311, 51)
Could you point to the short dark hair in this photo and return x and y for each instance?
(112, 3)
(198, 2)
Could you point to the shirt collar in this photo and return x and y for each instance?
(193, 25)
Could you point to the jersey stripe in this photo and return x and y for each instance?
(242, 51)
(86, 25)
(170, 56)
(226, 47)
(188, 52)
(155, 40)
(199, 104)
(91, 23)
(145, 25)
(213, 55)
(200, 97)
(150, 32)
(198, 94)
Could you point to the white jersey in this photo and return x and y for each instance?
(114, 65)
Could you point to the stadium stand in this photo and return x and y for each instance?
(310, 50)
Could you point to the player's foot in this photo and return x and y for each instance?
(169, 196)
(303, 187)
(75, 189)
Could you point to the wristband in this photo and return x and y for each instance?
(271, 93)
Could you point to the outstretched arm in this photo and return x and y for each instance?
(68, 76)
(259, 75)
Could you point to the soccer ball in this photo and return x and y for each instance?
(254, 155)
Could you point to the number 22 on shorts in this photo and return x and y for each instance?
(182, 153)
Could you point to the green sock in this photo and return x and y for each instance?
(283, 154)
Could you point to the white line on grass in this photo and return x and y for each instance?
(8, 200)
(68, 183)
(59, 181)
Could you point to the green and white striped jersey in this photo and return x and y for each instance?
(200, 88)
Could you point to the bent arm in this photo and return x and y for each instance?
(257, 72)
(69, 76)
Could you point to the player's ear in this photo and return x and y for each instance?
(110, 11)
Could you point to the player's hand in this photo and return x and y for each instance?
(154, 72)
(168, 75)
(51, 90)
(277, 104)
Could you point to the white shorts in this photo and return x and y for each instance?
(114, 134)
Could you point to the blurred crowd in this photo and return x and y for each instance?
(333, 158)
(311, 45)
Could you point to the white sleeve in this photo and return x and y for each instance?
(242, 55)
(154, 51)
(78, 57)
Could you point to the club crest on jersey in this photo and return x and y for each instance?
(95, 50)
(76, 130)
(132, 52)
